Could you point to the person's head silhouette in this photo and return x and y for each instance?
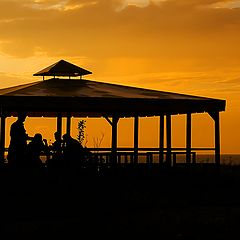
(57, 136)
(66, 137)
(22, 116)
(37, 138)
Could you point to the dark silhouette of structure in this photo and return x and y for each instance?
(66, 97)
(72, 203)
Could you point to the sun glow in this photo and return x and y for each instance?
(169, 45)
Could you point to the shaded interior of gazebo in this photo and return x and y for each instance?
(71, 97)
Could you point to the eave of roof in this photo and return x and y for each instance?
(99, 99)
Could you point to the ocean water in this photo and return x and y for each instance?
(226, 159)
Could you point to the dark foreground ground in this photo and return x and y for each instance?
(177, 203)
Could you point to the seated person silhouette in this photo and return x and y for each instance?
(56, 149)
(18, 143)
(72, 151)
(34, 150)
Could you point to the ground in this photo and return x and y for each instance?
(166, 203)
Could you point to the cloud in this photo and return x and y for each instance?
(60, 5)
(190, 3)
(226, 4)
(137, 3)
(232, 81)
(168, 35)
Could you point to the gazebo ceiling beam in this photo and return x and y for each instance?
(109, 120)
(91, 114)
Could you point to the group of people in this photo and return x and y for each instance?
(25, 151)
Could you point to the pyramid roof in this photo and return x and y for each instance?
(63, 68)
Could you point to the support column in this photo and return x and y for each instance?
(188, 138)
(136, 139)
(68, 127)
(161, 139)
(217, 139)
(114, 140)
(59, 124)
(2, 138)
(113, 123)
(169, 141)
(216, 118)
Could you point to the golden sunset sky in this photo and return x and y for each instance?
(182, 46)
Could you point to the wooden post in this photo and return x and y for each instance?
(68, 127)
(114, 140)
(113, 123)
(217, 139)
(169, 141)
(136, 128)
(2, 138)
(59, 124)
(161, 139)
(216, 118)
(188, 138)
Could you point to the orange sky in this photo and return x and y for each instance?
(187, 46)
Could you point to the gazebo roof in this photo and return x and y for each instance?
(63, 68)
(95, 99)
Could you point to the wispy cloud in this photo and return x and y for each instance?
(230, 4)
(226, 4)
(61, 5)
(10, 20)
(234, 81)
(137, 3)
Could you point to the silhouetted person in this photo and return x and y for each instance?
(35, 148)
(18, 143)
(56, 149)
(72, 151)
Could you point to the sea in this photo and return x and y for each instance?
(226, 159)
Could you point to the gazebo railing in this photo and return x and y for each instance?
(148, 156)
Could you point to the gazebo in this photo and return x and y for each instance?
(77, 97)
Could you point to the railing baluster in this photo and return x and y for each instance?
(125, 158)
(174, 158)
(193, 157)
